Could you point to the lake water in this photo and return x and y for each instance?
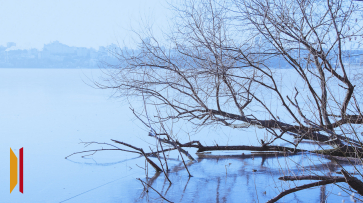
(49, 112)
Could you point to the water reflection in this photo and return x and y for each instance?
(241, 178)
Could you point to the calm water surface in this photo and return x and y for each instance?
(50, 111)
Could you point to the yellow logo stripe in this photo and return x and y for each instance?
(13, 170)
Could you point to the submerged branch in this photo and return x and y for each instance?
(302, 187)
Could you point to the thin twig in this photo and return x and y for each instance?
(166, 175)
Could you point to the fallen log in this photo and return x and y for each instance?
(250, 148)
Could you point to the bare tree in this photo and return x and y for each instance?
(219, 65)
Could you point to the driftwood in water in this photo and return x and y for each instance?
(244, 156)
(250, 148)
(342, 153)
(311, 177)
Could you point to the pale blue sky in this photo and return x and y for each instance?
(86, 23)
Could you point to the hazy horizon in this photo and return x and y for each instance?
(76, 23)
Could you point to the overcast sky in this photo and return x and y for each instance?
(83, 23)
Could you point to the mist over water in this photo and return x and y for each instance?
(49, 111)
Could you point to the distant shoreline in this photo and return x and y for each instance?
(51, 68)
